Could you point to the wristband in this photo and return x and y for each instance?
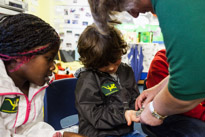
(154, 113)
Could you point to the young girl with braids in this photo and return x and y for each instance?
(28, 46)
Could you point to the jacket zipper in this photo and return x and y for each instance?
(29, 104)
(28, 109)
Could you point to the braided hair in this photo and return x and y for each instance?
(21, 33)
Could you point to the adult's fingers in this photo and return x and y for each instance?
(148, 99)
(139, 101)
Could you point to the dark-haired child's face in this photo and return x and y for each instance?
(111, 68)
(39, 68)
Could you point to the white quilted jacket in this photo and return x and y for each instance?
(21, 116)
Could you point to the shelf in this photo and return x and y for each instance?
(141, 82)
(5, 11)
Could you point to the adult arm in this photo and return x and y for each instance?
(165, 104)
(158, 71)
(145, 97)
(148, 95)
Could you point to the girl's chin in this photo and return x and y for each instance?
(43, 82)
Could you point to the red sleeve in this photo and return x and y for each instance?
(158, 69)
(197, 112)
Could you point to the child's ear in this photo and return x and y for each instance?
(18, 60)
(13, 63)
(10, 65)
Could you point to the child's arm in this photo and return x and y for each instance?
(93, 107)
(37, 130)
(3, 131)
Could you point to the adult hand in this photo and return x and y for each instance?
(130, 116)
(147, 118)
(148, 95)
(145, 97)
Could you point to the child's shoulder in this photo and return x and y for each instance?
(125, 66)
(84, 73)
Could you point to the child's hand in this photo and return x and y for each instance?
(57, 134)
(131, 116)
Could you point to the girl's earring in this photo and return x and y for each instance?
(52, 68)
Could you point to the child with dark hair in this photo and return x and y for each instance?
(106, 89)
(28, 46)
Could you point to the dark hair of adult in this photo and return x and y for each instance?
(22, 33)
(97, 50)
(102, 10)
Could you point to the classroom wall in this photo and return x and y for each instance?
(41, 8)
(70, 17)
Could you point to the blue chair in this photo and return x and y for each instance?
(59, 104)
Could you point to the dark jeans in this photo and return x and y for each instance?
(179, 126)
